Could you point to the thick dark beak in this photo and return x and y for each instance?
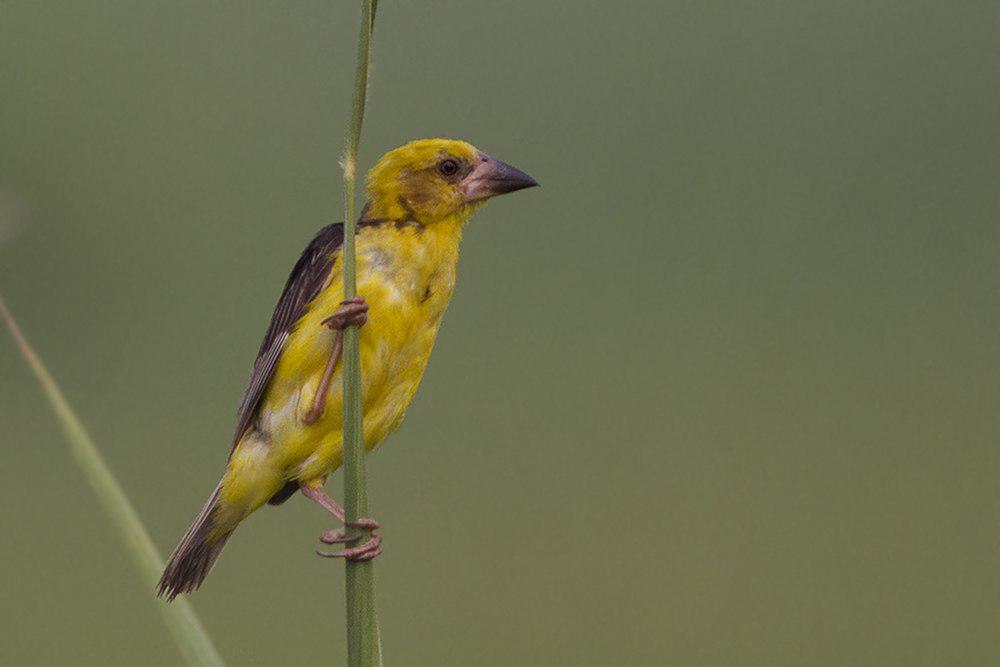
(491, 177)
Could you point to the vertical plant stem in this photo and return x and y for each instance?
(363, 643)
(192, 640)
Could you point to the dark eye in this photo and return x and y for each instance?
(448, 167)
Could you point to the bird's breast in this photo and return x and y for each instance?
(407, 279)
(408, 287)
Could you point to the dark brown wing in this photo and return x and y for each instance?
(304, 283)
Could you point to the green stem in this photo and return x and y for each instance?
(363, 643)
(192, 640)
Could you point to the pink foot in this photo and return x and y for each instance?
(351, 311)
(363, 552)
(359, 554)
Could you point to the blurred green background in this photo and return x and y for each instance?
(723, 392)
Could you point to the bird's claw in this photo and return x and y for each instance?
(351, 311)
(359, 554)
(363, 552)
(337, 536)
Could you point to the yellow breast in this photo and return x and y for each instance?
(407, 275)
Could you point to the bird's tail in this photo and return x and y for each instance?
(194, 557)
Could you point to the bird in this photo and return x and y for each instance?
(289, 428)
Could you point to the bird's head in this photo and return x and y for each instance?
(429, 180)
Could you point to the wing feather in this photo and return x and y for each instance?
(308, 277)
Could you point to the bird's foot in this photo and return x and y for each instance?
(351, 311)
(339, 535)
(363, 552)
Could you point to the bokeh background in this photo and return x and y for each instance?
(724, 391)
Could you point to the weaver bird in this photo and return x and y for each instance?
(289, 429)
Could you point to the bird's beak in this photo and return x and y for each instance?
(491, 177)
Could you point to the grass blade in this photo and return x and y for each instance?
(363, 642)
(192, 640)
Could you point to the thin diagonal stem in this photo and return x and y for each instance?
(188, 632)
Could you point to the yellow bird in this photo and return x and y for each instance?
(289, 429)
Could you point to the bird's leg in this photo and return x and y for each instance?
(363, 552)
(320, 497)
(319, 400)
(351, 311)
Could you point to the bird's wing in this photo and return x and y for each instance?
(305, 282)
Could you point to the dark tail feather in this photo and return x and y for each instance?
(195, 555)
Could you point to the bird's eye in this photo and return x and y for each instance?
(448, 167)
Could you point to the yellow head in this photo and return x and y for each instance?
(429, 180)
